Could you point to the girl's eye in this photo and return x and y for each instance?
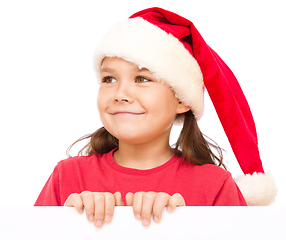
(142, 80)
(108, 80)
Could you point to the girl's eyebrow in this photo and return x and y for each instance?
(143, 70)
(110, 70)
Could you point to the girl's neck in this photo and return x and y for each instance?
(143, 156)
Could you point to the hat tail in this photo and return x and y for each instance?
(231, 105)
(236, 118)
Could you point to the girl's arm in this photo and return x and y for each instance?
(229, 195)
(50, 194)
(146, 203)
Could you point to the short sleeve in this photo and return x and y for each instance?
(229, 195)
(50, 194)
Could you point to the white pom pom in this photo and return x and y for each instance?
(258, 189)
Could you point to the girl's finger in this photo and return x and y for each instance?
(137, 204)
(160, 203)
(109, 206)
(129, 199)
(99, 208)
(147, 207)
(118, 199)
(175, 201)
(74, 200)
(88, 203)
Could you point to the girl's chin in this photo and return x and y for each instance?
(127, 131)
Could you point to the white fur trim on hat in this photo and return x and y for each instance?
(258, 189)
(146, 45)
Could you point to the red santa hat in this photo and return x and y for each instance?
(174, 51)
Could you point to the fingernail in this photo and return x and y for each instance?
(91, 218)
(98, 223)
(169, 209)
(107, 218)
(81, 211)
(137, 216)
(156, 219)
(145, 222)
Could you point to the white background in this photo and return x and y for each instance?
(183, 223)
(48, 87)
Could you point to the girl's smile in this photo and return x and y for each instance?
(124, 113)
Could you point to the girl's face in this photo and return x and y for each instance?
(133, 106)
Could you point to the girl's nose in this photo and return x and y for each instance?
(124, 99)
(123, 93)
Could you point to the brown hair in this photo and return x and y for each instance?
(191, 144)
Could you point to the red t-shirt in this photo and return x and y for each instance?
(205, 185)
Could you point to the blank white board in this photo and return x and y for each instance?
(184, 223)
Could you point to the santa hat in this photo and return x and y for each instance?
(171, 48)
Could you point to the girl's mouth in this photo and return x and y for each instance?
(123, 113)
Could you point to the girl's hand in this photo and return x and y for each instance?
(146, 203)
(99, 207)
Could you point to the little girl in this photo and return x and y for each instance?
(153, 69)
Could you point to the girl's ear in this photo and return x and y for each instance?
(181, 108)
